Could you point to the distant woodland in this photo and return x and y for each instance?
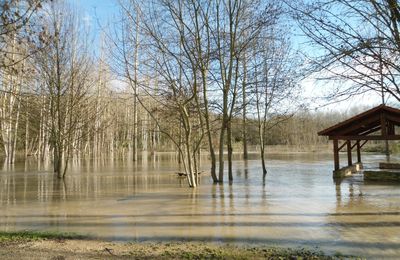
(189, 76)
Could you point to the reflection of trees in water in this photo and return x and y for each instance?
(358, 195)
(360, 217)
(264, 191)
(59, 192)
(220, 195)
(348, 194)
(33, 180)
(246, 169)
(46, 187)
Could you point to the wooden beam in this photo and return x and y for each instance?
(341, 147)
(349, 159)
(370, 131)
(336, 154)
(360, 123)
(361, 146)
(362, 129)
(358, 151)
(364, 137)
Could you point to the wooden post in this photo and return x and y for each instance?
(349, 159)
(384, 131)
(358, 152)
(336, 154)
(383, 125)
(391, 130)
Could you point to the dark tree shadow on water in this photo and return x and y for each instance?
(60, 191)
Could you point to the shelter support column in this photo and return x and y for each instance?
(336, 154)
(358, 152)
(349, 159)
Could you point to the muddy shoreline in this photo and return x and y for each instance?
(94, 249)
(32, 245)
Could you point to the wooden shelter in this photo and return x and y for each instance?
(377, 123)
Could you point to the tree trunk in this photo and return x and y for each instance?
(27, 133)
(244, 100)
(209, 133)
(15, 133)
(262, 154)
(230, 150)
(221, 153)
(135, 90)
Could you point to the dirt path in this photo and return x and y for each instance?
(92, 249)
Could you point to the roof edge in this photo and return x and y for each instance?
(326, 131)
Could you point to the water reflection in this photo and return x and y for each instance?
(296, 204)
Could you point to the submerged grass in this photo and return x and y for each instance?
(27, 235)
(47, 244)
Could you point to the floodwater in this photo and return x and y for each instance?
(298, 204)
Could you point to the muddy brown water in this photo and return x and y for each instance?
(297, 205)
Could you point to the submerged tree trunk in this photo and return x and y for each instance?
(15, 134)
(230, 150)
(262, 155)
(27, 147)
(261, 132)
(221, 154)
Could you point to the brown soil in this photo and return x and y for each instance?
(92, 249)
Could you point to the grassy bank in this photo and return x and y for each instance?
(50, 245)
(35, 236)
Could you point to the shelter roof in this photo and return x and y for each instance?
(362, 125)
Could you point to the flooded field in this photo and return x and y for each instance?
(298, 204)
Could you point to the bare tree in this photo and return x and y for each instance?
(15, 46)
(126, 54)
(275, 71)
(195, 47)
(17, 25)
(177, 93)
(237, 23)
(357, 42)
(63, 67)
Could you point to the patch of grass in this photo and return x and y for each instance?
(27, 235)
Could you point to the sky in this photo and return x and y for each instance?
(102, 9)
(99, 14)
